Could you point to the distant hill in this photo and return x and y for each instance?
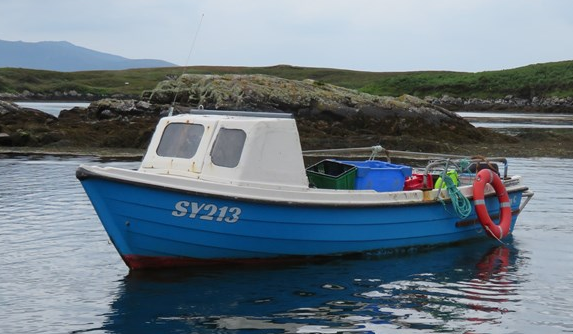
(66, 57)
(534, 82)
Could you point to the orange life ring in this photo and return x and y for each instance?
(496, 231)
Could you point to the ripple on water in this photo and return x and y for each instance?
(48, 236)
(61, 274)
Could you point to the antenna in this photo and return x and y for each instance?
(186, 64)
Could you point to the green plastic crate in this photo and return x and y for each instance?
(329, 174)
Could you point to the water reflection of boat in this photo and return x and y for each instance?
(233, 187)
(453, 289)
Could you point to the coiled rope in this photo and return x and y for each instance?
(461, 204)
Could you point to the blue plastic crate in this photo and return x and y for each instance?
(379, 175)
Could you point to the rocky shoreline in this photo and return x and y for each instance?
(508, 103)
(327, 116)
(70, 95)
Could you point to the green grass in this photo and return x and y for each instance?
(543, 80)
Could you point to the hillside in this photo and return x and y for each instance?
(539, 80)
(66, 57)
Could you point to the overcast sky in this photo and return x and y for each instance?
(370, 35)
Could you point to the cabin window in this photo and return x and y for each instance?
(228, 147)
(180, 140)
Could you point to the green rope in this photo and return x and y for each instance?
(464, 165)
(461, 204)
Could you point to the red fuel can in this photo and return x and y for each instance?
(416, 182)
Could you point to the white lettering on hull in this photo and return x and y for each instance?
(207, 212)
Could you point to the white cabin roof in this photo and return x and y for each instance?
(234, 149)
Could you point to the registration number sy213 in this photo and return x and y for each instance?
(207, 211)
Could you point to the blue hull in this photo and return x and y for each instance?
(155, 227)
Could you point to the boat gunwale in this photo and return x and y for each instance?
(83, 173)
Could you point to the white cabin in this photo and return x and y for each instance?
(262, 150)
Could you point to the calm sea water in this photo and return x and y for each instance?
(60, 274)
(497, 120)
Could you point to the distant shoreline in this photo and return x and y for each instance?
(507, 104)
(104, 153)
(546, 87)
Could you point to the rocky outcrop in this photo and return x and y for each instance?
(105, 123)
(322, 110)
(18, 125)
(327, 116)
(302, 98)
(508, 103)
(114, 110)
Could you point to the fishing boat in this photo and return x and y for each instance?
(234, 187)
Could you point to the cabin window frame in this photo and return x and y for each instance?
(180, 140)
(228, 147)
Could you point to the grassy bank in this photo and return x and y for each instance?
(543, 80)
